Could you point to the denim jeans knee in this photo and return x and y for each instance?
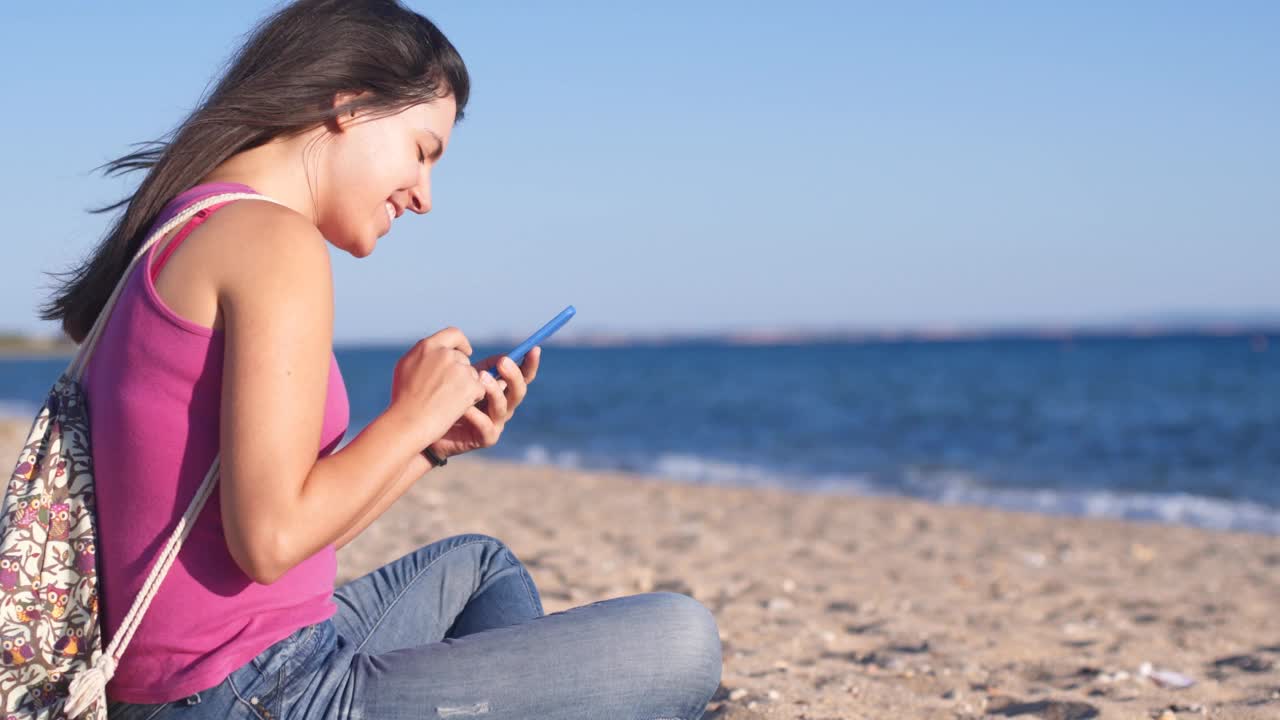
(692, 648)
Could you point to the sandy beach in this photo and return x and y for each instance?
(849, 607)
(852, 607)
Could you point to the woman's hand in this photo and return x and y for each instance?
(435, 384)
(482, 425)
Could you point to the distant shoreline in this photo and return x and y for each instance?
(1261, 338)
(17, 345)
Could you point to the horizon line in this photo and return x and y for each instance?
(1066, 332)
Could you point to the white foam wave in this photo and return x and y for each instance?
(948, 487)
(1180, 508)
(17, 410)
(538, 455)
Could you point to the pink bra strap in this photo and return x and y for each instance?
(186, 230)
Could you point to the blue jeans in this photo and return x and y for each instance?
(456, 629)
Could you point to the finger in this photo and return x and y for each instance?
(460, 357)
(490, 365)
(452, 337)
(489, 362)
(483, 425)
(531, 363)
(516, 387)
(495, 399)
(478, 390)
(480, 377)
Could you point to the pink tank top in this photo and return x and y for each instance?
(153, 386)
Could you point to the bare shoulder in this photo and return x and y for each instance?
(257, 238)
(267, 254)
(251, 251)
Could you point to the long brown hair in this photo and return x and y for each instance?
(280, 83)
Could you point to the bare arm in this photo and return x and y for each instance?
(280, 504)
(413, 471)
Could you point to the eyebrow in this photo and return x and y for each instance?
(435, 154)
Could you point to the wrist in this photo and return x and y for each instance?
(435, 458)
(417, 430)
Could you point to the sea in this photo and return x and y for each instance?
(1167, 429)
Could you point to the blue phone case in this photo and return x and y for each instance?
(543, 333)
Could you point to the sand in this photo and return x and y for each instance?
(857, 607)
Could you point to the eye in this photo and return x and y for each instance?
(422, 157)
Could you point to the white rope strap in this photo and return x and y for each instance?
(76, 369)
(91, 684)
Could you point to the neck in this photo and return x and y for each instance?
(278, 170)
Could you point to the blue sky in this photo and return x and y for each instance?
(693, 167)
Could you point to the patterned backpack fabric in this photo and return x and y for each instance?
(54, 664)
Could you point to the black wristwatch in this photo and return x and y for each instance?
(435, 460)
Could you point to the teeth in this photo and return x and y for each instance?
(391, 212)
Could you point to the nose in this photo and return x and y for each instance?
(420, 195)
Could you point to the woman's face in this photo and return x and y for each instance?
(378, 168)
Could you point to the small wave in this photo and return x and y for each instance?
(693, 469)
(959, 488)
(538, 455)
(948, 487)
(17, 410)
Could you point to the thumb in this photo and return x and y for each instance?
(490, 364)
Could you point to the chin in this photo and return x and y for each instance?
(362, 250)
(360, 247)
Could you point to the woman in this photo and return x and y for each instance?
(220, 345)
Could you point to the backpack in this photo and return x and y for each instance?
(53, 664)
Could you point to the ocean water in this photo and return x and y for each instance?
(1175, 429)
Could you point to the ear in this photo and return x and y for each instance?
(347, 116)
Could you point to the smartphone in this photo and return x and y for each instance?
(542, 334)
